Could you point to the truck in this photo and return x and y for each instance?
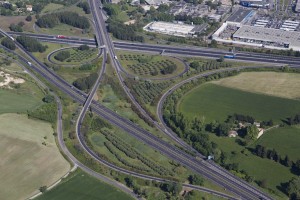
(231, 56)
(61, 36)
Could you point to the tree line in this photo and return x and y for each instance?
(86, 83)
(70, 18)
(31, 44)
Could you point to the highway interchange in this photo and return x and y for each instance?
(238, 187)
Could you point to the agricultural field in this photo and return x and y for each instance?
(26, 171)
(82, 186)
(148, 66)
(216, 102)
(76, 56)
(287, 137)
(285, 85)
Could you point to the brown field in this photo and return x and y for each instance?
(26, 164)
(286, 85)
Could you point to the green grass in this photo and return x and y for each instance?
(259, 168)
(51, 7)
(12, 102)
(64, 29)
(287, 137)
(216, 102)
(82, 186)
(51, 47)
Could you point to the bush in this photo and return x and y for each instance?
(87, 82)
(46, 112)
(85, 6)
(62, 56)
(28, 18)
(83, 47)
(8, 43)
(15, 28)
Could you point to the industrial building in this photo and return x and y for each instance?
(289, 25)
(176, 29)
(255, 3)
(268, 37)
(241, 16)
(297, 7)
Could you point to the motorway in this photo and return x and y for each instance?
(173, 50)
(244, 190)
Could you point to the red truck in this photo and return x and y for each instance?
(61, 36)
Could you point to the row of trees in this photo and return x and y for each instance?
(31, 44)
(124, 32)
(70, 18)
(8, 43)
(132, 153)
(16, 27)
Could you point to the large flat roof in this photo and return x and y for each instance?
(268, 34)
(239, 15)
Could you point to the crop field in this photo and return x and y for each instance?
(286, 85)
(215, 102)
(259, 168)
(285, 140)
(77, 56)
(26, 171)
(150, 65)
(82, 186)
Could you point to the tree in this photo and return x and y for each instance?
(15, 28)
(213, 44)
(129, 182)
(62, 55)
(83, 47)
(43, 189)
(293, 188)
(196, 179)
(48, 98)
(287, 161)
(28, 18)
(221, 59)
(8, 43)
(31, 44)
(251, 132)
(296, 167)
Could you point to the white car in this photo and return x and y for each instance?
(29, 63)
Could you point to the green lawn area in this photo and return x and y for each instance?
(51, 7)
(51, 47)
(216, 102)
(82, 186)
(259, 168)
(285, 140)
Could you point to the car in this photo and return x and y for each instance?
(116, 57)
(29, 63)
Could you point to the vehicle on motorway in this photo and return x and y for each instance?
(231, 56)
(116, 57)
(62, 37)
(13, 39)
(29, 63)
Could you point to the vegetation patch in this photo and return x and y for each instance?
(285, 140)
(74, 55)
(215, 102)
(25, 148)
(80, 186)
(285, 85)
(150, 65)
